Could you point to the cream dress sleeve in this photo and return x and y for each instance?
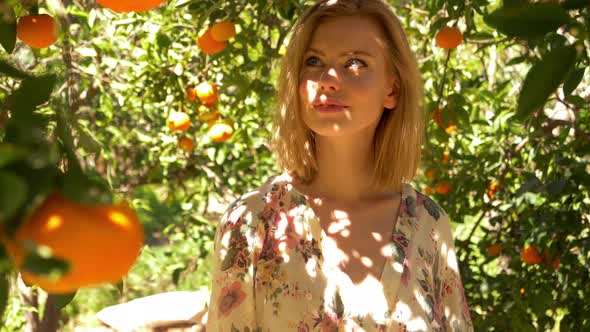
(232, 303)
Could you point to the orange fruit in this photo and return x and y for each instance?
(145, 5)
(443, 188)
(448, 37)
(100, 242)
(430, 174)
(119, 6)
(530, 255)
(494, 250)
(220, 132)
(207, 93)
(191, 93)
(446, 156)
(202, 109)
(223, 31)
(436, 115)
(555, 263)
(178, 121)
(186, 144)
(492, 188)
(521, 292)
(38, 31)
(209, 45)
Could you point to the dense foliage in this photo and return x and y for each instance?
(507, 151)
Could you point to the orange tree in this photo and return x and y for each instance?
(506, 87)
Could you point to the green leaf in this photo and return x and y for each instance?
(575, 4)
(11, 200)
(39, 264)
(7, 27)
(4, 290)
(572, 81)
(10, 153)
(544, 78)
(85, 188)
(11, 70)
(528, 20)
(87, 140)
(33, 92)
(62, 300)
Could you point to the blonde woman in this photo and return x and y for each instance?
(341, 241)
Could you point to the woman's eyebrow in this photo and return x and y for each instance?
(343, 54)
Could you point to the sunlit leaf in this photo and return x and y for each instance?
(11, 200)
(544, 78)
(528, 20)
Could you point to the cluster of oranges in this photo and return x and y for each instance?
(220, 130)
(449, 128)
(41, 31)
(128, 6)
(99, 242)
(214, 38)
(442, 187)
(529, 255)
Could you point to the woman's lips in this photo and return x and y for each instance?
(326, 108)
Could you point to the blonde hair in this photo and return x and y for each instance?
(399, 134)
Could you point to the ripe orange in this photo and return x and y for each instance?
(443, 188)
(38, 31)
(178, 121)
(100, 242)
(446, 156)
(209, 45)
(492, 188)
(207, 93)
(430, 174)
(191, 93)
(220, 131)
(555, 263)
(186, 144)
(119, 6)
(494, 250)
(145, 5)
(521, 292)
(202, 109)
(448, 37)
(223, 31)
(530, 255)
(436, 115)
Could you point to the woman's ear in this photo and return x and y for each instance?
(391, 98)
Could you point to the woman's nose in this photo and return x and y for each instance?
(329, 80)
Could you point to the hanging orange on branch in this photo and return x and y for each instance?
(207, 93)
(37, 31)
(208, 44)
(178, 121)
(223, 31)
(127, 6)
(99, 242)
(448, 37)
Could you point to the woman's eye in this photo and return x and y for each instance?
(312, 61)
(356, 63)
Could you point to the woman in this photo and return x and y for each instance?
(341, 241)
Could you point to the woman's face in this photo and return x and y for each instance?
(345, 81)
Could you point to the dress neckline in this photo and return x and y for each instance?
(396, 223)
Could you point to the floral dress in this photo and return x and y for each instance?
(270, 272)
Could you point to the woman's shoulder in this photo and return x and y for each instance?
(255, 202)
(420, 206)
